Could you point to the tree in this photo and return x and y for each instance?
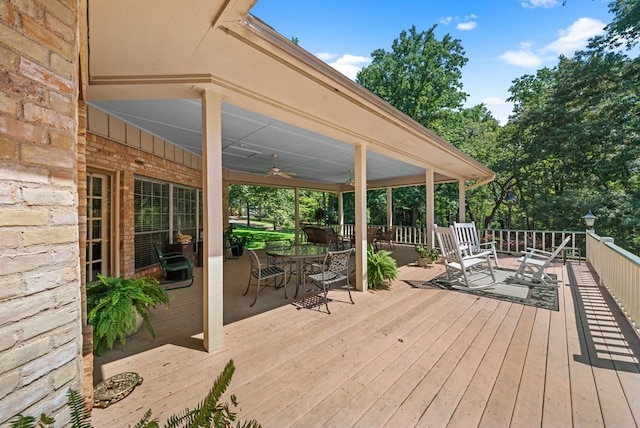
(624, 29)
(421, 76)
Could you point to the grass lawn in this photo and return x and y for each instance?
(259, 234)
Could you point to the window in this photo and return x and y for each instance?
(161, 211)
(185, 211)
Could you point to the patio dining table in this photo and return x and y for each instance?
(300, 253)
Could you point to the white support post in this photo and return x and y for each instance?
(430, 206)
(341, 213)
(296, 193)
(389, 208)
(361, 217)
(212, 246)
(461, 205)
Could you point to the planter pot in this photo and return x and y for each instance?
(424, 261)
(138, 322)
(236, 251)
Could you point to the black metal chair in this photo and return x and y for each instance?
(265, 273)
(174, 263)
(332, 272)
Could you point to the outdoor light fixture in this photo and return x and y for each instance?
(350, 182)
(511, 197)
(589, 220)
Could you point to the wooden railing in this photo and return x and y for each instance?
(517, 241)
(507, 241)
(619, 271)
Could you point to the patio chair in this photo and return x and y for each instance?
(333, 271)
(470, 241)
(275, 244)
(533, 264)
(175, 264)
(463, 267)
(371, 234)
(263, 275)
(386, 236)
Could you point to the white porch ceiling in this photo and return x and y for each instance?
(250, 139)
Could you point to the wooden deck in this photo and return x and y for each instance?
(400, 357)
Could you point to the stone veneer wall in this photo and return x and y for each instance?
(40, 315)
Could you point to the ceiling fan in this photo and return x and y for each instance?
(274, 171)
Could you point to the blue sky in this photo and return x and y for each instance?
(502, 39)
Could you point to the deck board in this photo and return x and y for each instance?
(402, 356)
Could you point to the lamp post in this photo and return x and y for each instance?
(589, 221)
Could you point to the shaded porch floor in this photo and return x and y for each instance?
(399, 357)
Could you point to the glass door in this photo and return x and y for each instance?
(98, 225)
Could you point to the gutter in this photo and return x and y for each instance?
(267, 33)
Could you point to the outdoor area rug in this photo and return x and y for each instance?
(504, 289)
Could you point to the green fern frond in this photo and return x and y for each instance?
(80, 415)
(20, 421)
(181, 419)
(146, 421)
(209, 407)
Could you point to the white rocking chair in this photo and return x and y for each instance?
(533, 264)
(469, 239)
(460, 266)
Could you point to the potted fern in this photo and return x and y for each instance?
(381, 267)
(115, 304)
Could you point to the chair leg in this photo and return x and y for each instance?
(349, 290)
(248, 286)
(325, 290)
(255, 299)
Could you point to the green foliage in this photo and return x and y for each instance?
(79, 414)
(420, 76)
(238, 236)
(208, 413)
(431, 253)
(111, 303)
(624, 29)
(381, 267)
(20, 421)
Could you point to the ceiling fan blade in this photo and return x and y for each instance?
(284, 174)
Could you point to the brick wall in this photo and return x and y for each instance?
(40, 316)
(112, 157)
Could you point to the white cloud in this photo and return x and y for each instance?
(326, 56)
(522, 58)
(465, 26)
(500, 109)
(532, 4)
(576, 36)
(347, 64)
(490, 101)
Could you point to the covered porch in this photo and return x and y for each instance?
(403, 356)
